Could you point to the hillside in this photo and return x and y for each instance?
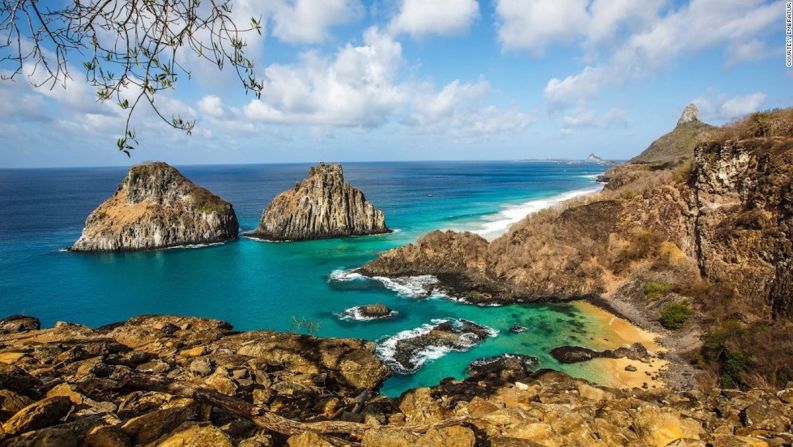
(698, 250)
(679, 143)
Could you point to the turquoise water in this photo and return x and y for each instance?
(260, 285)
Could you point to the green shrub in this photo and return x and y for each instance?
(735, 363)
(656, 290)
(675, 315)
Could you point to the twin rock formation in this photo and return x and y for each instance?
(155, 206)
(322, 206)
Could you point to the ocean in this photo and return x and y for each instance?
(262, 285)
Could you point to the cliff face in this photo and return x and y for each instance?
(742, 191)
(155, 206)
(322, 206)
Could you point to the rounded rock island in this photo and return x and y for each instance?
(155, 206)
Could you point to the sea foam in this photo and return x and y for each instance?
(387, 347)
(497, 224)
(355, 314)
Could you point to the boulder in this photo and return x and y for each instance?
(321, 206)
(37, 415)
(19, 323)
(196, 435)
(155, 206)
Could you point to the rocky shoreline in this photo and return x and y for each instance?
(178, 381)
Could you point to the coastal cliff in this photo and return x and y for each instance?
(155, 206)
(321, 206)
(705, 235)
(180, 381)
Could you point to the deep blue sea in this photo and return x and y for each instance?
(261, 285)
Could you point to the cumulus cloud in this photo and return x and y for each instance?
(308, 21)
(360, 87)
(211, 105)
(420, 18)
(580, 118)
(574, 88)
(460, 106)
(664, 35)
(533, 25)
(723, 107)
(355, 88)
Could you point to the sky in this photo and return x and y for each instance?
(358, 80)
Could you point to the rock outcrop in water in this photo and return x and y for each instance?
(407, 351)
(322, 206)
(155, 206)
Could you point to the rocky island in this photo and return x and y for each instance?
(155, 206)
(321, 206)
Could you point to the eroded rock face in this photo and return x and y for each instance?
(743, 219)
(155, 206)
(322, 206)
(689, 115)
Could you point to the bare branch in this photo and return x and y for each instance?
(135, 48)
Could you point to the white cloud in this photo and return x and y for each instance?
(582, 118)
(748, 51)
(308, 21)
(533, 25)
(420, 18)
(722, 107)
(360, 87)
(459, 107)
(666, 34)
(356, 88)
(211, 105)
(574, 88)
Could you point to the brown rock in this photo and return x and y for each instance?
(155, 206)
(151, 426)
(196, 435)
(322, 206)
(447, 437)
(38, 415)
(658, 428)
(106, 436)
(19, 323)
(308, 439)
(11, 403)
(388, 438)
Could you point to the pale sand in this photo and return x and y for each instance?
(617, 332)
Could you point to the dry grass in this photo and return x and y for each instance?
(773, 123)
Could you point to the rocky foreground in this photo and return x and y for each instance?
(321, 206)
(155, 206)
(172, 381)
